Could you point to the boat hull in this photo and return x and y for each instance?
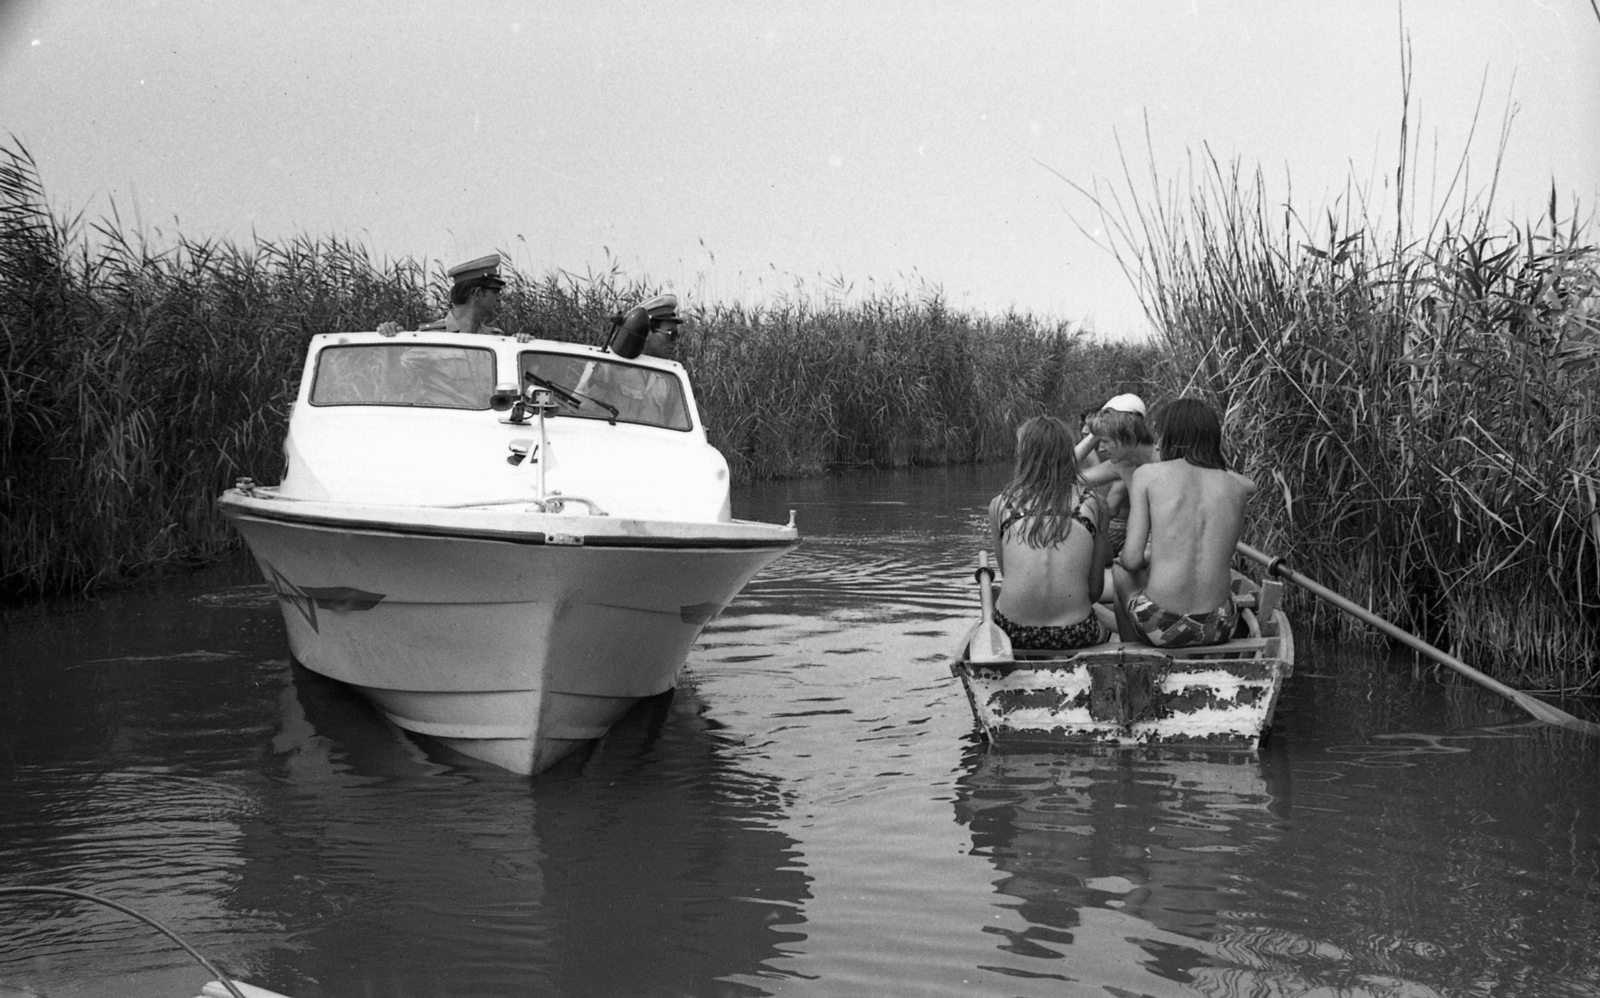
(1216, 697)
(511, 646)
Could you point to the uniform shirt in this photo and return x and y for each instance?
(451, 324)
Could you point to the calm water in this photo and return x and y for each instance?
(810, 814)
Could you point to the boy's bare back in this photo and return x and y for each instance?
(1191, 519)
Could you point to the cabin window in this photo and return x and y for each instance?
(638, 394)
(444, 377)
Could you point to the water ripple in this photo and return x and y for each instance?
(813, 812)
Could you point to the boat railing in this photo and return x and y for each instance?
(553, 503)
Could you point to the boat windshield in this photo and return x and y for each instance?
(404, 374)
(639, 394)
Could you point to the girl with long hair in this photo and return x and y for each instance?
(1049, 535)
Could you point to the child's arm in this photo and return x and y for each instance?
(1133, 553)
(1101, 474)
(1085, 447)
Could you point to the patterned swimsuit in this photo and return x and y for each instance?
(1012, 516)
(1084, 633)
(1166, 629)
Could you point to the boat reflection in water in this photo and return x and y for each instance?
(1128, 866)
(160, 750)
(410, 869)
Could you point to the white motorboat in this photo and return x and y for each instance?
(502, 543)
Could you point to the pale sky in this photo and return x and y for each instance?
(733, 150)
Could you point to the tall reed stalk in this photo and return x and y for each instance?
(140, 381)
(1417, 402)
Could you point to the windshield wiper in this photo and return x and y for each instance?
(572, 397)
(607, 406)
(563, 394)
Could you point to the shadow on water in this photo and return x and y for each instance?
(1391, 838)
(645, 858)
(176, 762)
(1119, 862)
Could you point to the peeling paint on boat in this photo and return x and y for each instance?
(1220, 696)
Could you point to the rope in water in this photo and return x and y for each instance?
(222, 978)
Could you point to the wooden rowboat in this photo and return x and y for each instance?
(1215, 696)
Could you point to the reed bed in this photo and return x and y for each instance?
(139, 381)
(1415, 399)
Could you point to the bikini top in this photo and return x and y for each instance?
(1012, 516)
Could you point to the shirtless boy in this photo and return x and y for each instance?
(1119, 432)
(1186, 513)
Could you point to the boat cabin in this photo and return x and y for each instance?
(443, 418)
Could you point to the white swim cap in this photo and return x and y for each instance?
(1126, 403)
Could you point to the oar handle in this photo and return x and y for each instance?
(983, 567)
(1538, 708)
(1271, 564)
(985, 576)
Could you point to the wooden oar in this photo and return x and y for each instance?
(989, 643)
(1538, 708)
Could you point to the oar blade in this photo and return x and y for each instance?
(989, 644)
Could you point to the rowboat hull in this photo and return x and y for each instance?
(1218, 696)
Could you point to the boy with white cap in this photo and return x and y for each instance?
(1119, 430)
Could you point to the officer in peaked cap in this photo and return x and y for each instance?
(474, 297)
(482, 272)
(474, 300)
(662, 340)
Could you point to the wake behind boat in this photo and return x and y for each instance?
(503, 544)
(1219, 696)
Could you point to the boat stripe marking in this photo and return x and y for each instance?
(309, 599)
(520, 536)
